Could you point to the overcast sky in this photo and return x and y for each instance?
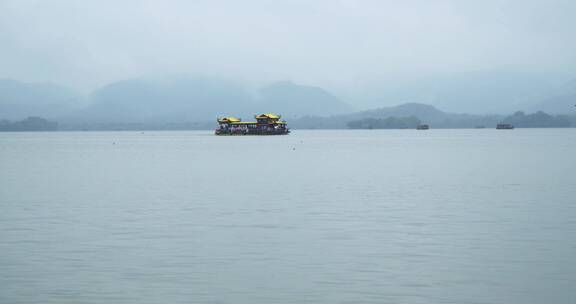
(320, 42)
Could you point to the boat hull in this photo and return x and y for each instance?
(251, 133)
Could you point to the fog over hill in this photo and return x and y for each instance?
(19, 100)
(425, 113)
(561, 100)
(411, 114)
(294, 100)
(174, 99)
(476, 57)
(192, 99)
(478, 92)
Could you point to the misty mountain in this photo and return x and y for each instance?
(561, 101)
(492, 91)
(479, 92)
(425, 113)
(28, 124)
(19, 100)
(185, 99)
(174, 99)
(294, 100)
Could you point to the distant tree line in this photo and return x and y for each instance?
(518, 119)
(137, 126)
(538, 120)
(29, 124)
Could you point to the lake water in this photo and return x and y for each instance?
(363, 216)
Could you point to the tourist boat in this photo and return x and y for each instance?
(422, 127)
(504, 127)
(265, 124)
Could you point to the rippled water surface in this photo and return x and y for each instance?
(437, 216)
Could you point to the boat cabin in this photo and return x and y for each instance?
(504, 126)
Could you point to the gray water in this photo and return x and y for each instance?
(437, 216)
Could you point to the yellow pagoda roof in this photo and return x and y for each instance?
(243, 123)
(268, 115)
(228, 119)
(254, 123)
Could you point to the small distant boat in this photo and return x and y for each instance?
(480, 127)
(504, 127)
(422, 127)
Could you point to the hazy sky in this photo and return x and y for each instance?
(319, 42)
